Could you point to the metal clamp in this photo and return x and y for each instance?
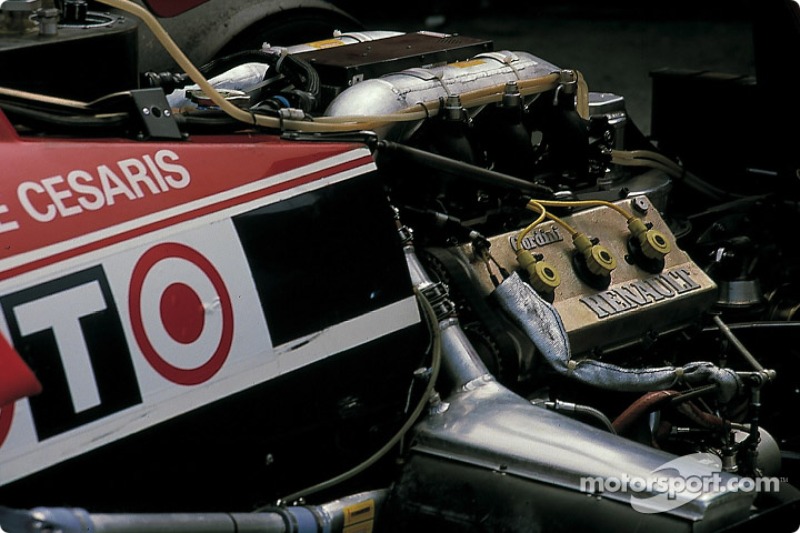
(156, 115)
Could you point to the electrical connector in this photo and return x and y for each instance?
(543, 277)
(653, 243)
(647, 247)
(599, 260)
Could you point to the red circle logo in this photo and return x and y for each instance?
(181, 313)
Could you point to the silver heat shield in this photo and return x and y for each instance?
(396, 92)
(543, 325)
(491, 428)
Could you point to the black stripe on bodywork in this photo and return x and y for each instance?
(249, 448)
(324, 257)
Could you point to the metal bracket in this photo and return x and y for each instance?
(28, 6)
(365, 137)
(156, 115)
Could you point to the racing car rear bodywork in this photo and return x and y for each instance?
(144, 282)
(450, 271)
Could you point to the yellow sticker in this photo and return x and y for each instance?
(359, 512)
(364, 527)
(327, 43)
(467, 64)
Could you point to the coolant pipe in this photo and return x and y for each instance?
(461, 365)
(645, 405)
(542, 324)
(336, 516)
(460, 362)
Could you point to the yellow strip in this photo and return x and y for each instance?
(467, 64)
(365, 527)
(359, 512)
(326, 43)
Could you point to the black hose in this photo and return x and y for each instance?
(169, 81)
(300, 73)
(221, 123)
(224, 64)
(61, 123)
(703, 187)
(464, 170)
(637, 140)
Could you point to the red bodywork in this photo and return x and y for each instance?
(66, 201)
(51, 211)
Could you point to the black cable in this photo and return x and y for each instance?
(703, 187)
(463, 170)
(59, 123)
(214, 123)
(300, 73)
(637, 140)
(169, 81)
(224, 64)
(436, 363)
(776, 325)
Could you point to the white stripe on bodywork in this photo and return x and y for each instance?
(265, 183)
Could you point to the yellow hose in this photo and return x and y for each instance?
(620, 157)
(24, 95)
(539, 206)
(524, 233)
(585, 203)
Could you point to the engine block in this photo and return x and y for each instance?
(637, 305)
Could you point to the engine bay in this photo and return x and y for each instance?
(576, 262)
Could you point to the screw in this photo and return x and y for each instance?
(145, 111)
(640, 205)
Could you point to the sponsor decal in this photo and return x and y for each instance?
(167, 311)
(144, 335)
(537, 238)
(641, 293)
(47, 220)
(68, 331)
(82, 190)
(126, 336)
